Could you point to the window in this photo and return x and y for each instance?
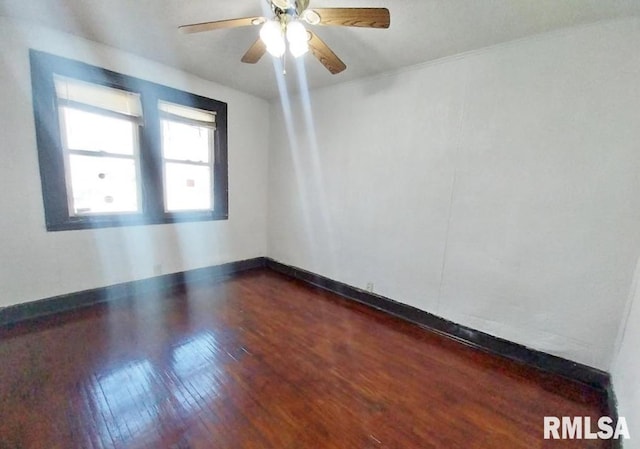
(187, 137)
(99, 132)
(116, 150)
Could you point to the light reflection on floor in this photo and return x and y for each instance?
(118, 397)
(130, 401)
(194, 368)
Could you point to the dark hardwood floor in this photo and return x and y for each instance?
(262, 361)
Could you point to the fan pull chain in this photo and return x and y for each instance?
(284, 64)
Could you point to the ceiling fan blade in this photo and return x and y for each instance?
(255, 52)
(354, 17)
(222, 24)
(325, 55)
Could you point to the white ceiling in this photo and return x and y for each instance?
(421, 30)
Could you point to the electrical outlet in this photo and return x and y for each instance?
(370, 287)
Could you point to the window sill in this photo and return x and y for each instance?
(80, 223)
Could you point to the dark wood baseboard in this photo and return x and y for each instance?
(265, 360)
(548, 363)
(14, 314)
(612, 408)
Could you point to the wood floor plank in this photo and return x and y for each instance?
(263, 361)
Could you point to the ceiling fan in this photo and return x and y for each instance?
(287, 28)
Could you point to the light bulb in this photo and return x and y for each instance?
(298, 39)
(277, 48)
(271, 35)
(298, 50)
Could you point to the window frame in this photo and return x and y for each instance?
(51, 154)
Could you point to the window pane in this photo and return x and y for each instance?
(103, 184)
(96, 132)
(185, 142)
(188, 187)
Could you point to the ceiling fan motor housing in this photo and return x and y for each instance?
(291, 7)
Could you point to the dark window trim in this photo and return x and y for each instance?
(50, 153)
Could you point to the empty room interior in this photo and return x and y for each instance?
(320, 224)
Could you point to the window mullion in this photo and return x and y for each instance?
(151, 159)
(220, 164)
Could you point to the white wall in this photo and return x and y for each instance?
(498, 189)
(37, 264)
(625, 371)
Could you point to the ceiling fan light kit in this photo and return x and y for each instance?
(286, 29)
(273, 35)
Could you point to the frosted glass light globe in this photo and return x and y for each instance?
(271, 35)
(298, 39)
